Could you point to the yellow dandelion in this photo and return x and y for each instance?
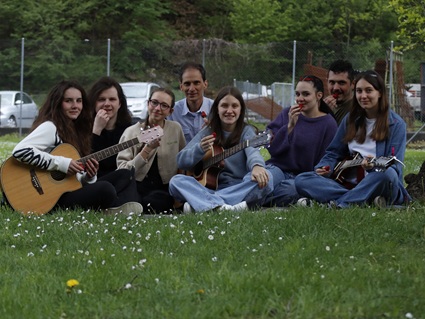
(200, 291)
(71, 283)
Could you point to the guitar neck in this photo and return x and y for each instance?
(110, 151)
(353, 162)
(226, 153)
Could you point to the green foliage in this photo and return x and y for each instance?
(411, 18)
(257, 21)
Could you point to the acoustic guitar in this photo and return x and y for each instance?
(343, 168)
(32, 190)
(208, 169)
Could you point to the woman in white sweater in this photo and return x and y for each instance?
(66, 117)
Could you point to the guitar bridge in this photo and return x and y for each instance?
(35, 182)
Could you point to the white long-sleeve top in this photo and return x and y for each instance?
(36, 147)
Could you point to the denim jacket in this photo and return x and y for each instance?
(394, 145)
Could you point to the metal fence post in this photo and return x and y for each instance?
(21, 97)
(294, 61)
(203, 53)
(108, 58)
(390, 91)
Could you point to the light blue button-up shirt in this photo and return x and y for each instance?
(191, 122)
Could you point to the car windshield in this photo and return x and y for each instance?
(135, 91)
(6, 98)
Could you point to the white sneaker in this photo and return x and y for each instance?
(187, 209)
(238, 207)
(125, 209)
(380, 202)
(304, 202)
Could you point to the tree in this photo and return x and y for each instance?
(411, 18)
(257, 21)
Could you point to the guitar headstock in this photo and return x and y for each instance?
(151, 134)
(381, 163)
(261, 139)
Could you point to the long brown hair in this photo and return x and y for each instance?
(104, 83)
(215, 122)
(75, 132)
(356, 122)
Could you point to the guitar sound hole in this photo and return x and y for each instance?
(198, 169)
(58, 176)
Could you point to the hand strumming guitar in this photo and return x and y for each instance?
(324, 170)
(90, 167)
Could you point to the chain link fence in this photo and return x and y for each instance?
(263, 70)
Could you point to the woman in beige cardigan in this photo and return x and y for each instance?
(155, 163)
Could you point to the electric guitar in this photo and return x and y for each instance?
(32, 190)
(343, 168)
(207, 170)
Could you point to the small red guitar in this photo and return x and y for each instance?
(343, 168)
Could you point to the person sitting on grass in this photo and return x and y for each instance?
(301, 134)
(369, 131)
(66, 117)
(155, 162)
(243, 180)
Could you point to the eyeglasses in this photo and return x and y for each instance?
(163, 106)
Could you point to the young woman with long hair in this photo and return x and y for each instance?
(301, 134)
(66, 117)
(243, 181)
(369, 132)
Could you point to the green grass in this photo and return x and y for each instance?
(293, 263)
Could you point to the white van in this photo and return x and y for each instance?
(414, 98)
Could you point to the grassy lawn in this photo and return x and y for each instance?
(275, 263)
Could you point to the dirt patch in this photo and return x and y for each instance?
(264, 106)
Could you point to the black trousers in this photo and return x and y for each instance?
(110, 190)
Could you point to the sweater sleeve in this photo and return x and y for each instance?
(34, 149)
(253, 155)
(189, 156)
(130, 157)
(337, 149)
(279, 128)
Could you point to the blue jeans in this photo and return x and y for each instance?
(323, 189)
(188, 189)
(284, 192)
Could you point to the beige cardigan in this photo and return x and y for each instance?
(171, 143)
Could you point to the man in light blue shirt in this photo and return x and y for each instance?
(190, 110)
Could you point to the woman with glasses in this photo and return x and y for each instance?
(373, 138)
(155, 163)
(301, 134)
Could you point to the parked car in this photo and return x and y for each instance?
(413, 95)
(10, 105)
(137, 94)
